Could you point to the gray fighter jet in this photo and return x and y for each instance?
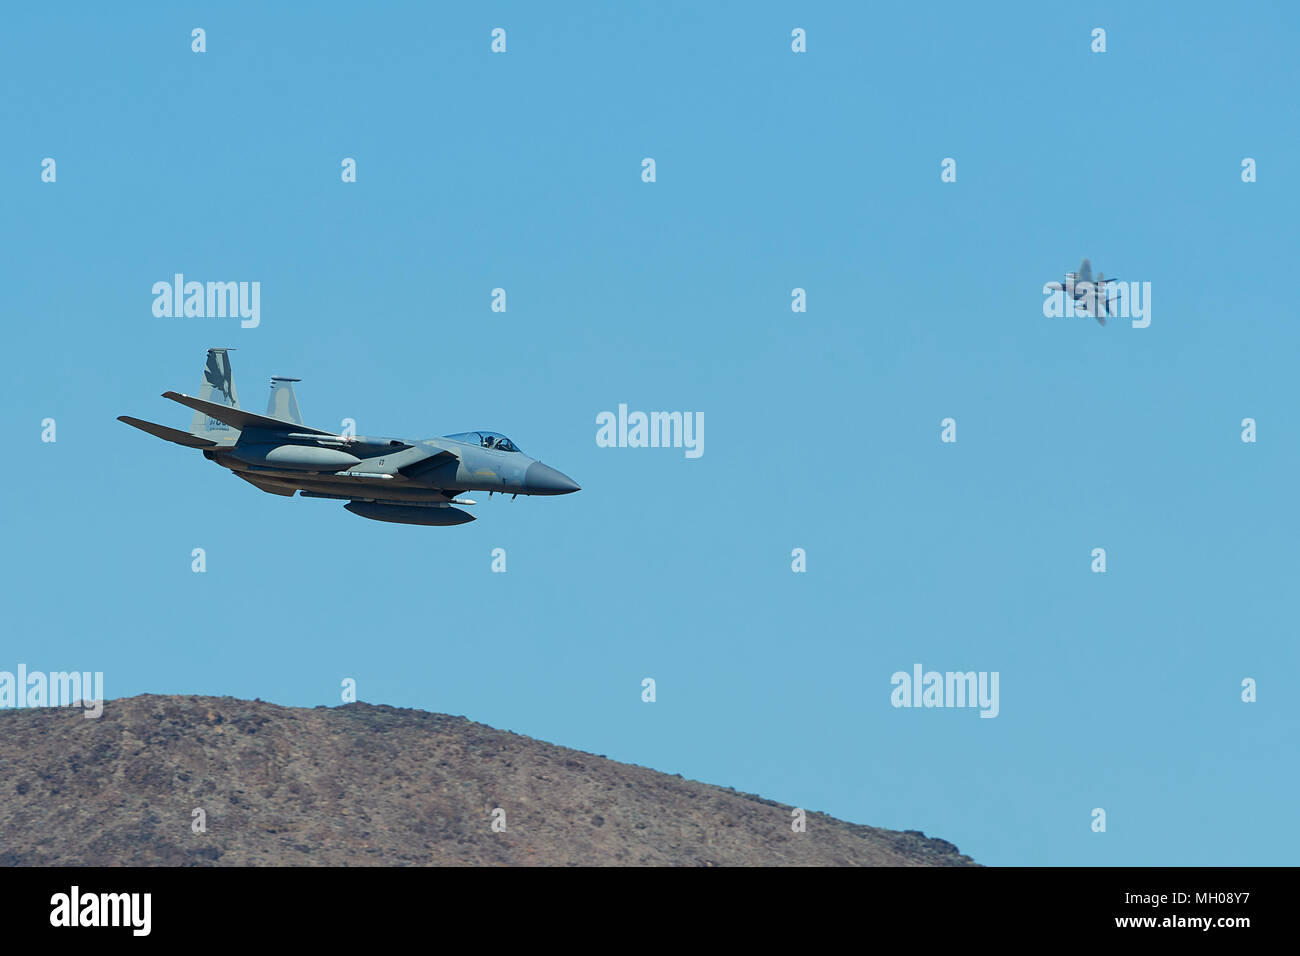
(1089, 294)
(413, 481)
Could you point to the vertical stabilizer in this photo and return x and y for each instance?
(217, 386)
(284, 403)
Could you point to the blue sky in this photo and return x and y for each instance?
(775, 170)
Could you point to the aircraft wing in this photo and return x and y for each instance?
(238, 418)
(419, 469)
(168, 434)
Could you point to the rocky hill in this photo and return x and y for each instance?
(372, 785)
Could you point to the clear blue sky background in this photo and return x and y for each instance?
(775, 170)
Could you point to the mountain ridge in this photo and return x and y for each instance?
(370, 784)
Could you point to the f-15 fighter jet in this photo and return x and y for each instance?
(405, 481)
(1089, 294)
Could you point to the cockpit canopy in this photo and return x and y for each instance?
(494, 440)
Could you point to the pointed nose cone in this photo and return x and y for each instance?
(542, 479)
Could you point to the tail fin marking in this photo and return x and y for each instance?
(218, 387)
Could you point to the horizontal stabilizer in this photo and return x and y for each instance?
(238, 418)
(168, 434)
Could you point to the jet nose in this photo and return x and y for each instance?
(542, 479)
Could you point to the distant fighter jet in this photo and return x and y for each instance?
(1084, 289)
(412, 481)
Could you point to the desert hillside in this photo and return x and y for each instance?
(372, 785)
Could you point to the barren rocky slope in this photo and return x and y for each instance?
(363, 784)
